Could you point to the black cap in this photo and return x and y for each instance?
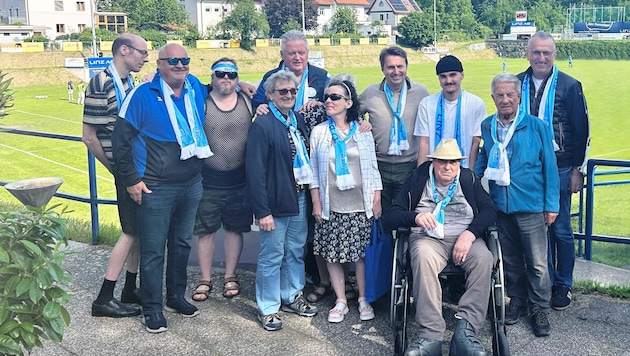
(448, 64)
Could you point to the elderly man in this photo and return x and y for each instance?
(104, 96)
(159, 147)
(517, 157)
(448, 211)
(557, 99)
(451, 113)
(391, 106)
(228, 118)
(312, 80)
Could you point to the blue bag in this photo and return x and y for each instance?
(379, 256)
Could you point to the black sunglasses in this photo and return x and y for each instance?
(222, 74)
(293, 91)
(173, 60)
(334, 97)
(143, 52)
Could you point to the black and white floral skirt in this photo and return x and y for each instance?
(343, 238)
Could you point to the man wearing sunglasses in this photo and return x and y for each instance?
(392, 108)
(451, 113)
(313, 80)
(558, 99)
(104, 96)
(159, 148)
(228, 118)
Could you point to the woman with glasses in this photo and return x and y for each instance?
(346, 192)
(278, 175)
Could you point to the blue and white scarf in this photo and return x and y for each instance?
(547, 102)
(301, 98)
(342, 170)
(438, 212)
(302, 171)
(118, 85)
(398, 132)
(188, 130)
(498, 168)
(439, 124)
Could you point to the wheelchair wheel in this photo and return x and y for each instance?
(400, 296)
(500, 345)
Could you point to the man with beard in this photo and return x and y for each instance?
(228, 118)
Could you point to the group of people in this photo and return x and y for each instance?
(321, 162)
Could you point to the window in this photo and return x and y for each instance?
(61, 28)
(80, 5)
(58, 6)
(7, 34)
(24, 34)
(10, 12)
(81, 27)
(382, 18)
(321, 12)
(17, 12)
(208, 9)
(216, 9)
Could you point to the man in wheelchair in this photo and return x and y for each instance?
(447, 211)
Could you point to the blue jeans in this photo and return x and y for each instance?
(280, 272)
(523, 238)
(561, 242)
(166, 218)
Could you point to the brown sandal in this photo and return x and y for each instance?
(315, 296)
(234, 287)
(202, 295)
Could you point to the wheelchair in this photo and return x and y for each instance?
(402, 292)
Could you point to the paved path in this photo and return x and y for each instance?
(593, 325)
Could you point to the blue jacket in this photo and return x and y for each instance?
(144, 144)
(534, 182)
(317, 79)
(271, 187)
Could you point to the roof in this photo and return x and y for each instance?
(399, 6)
(344, 2)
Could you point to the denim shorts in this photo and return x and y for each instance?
(223, 207)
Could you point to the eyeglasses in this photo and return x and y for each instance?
(222, 74)
(143, 52)
(293, 91)
(173, 60)
(544, 53)
(334, 97)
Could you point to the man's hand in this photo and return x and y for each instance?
(577, 181)
(135, 191)
(266, 223)
(248, 89)
(550, 218)
(462, 246)
(262, 109)
(426, 220)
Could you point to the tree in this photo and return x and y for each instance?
(148, 14)
(547, 15)
(291, 25)
(245, 22)
(280, 12)
(344, 20)
(416, 29)
(6, 94)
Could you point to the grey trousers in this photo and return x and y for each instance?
(428, 257)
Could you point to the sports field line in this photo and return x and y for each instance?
(612, 153)
(50, 117)
(108, 179)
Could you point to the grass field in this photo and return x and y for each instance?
(607, 94)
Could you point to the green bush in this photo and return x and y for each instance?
(594, 49)
(31, 279)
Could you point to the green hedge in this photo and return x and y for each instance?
(594, 49)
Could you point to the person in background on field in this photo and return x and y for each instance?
(228, 118)
(558, 100)
(103, 98)
(392, 107)
(70, 91)
(504, 66)
(346, 192)
(451, 113)
(570, 61)
(464, 212)
(159, 147)
(278, 173)
(517, 159)
(81, 93)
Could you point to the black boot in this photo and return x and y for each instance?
(465, 342)
(424, 347)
